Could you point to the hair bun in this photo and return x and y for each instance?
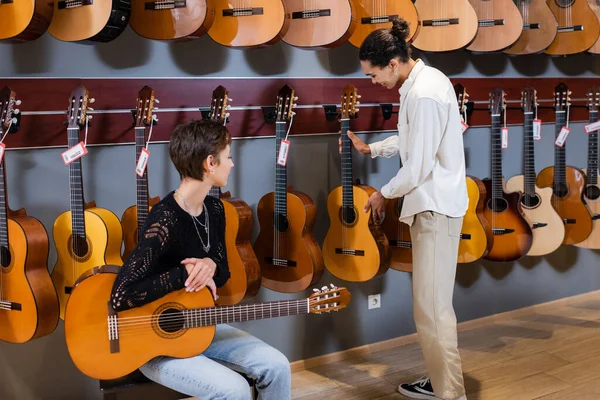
(399, 29)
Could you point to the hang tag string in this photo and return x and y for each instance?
(87, 120)
(290, 126)
(568, 109)
(150, 133)
(7, 130)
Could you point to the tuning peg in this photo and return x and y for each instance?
(357, 110)
(358, 102)
(324, 288)
(154, 108)
(229, 99)
(295, 98)
(227, 115)
(18, 102)
(92, 100)
(16, 111)
(332, 286)
(316, 290)
(157, 101)
(90, 109)
(294, 105)
(358, 96)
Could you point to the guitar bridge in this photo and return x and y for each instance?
(113, 329)
(574, 28)
(242, 12)
(311, 14)
(531, 26)
(74, 3)
(400, 243)
(502, 231)
(491, 22)
(164, 5)
(539, 225)
(349, 252)
(280, 262)
(595, 217)
(465, 236)
(377, 20)
(6, 2)
(440, 22)
(569, 221)
(10, 306)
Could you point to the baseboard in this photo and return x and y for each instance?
(412, 338)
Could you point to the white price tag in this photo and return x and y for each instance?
(75, 152)
(505, 137)
(593, 127)
(2, 147)
(562, 136)
(464, 126)
(283, 153)
(142, 162)
(537, 129)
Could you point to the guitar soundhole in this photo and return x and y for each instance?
(530, 201)
(281, 223)
(564, 3)
(5, 257)
(171, 320)
(592, 192)
(80, 246)
(348, 215)
(498, 205)
(561, 190)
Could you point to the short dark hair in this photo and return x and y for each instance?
(385, 44)
(191, 143)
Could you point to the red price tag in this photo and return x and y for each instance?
(2, 147)
(537, 129)
(593, 127)
(562, 136)
(142, 162)
(464, 126)
(75, 152)
(504, 137)
(283, 153)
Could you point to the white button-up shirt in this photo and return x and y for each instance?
(429, 140)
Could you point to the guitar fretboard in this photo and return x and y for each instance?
(496, 156)
(280, 175)
(141, 181)
(347, 178)
(528, 155)
(76, 188)
(592, 167)
(559, 154)
(3, 208)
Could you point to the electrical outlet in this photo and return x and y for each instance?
(374, 301)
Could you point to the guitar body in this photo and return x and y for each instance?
(26, 281)
(577, 14)
(447, 37)
(188, 20)
(325, 31)
(268, 24)
(515, 244)
(362, 235)
(591, 197)
(25, 20)
(505, 27)
(595, 7)
(129, 223)
(398, 235)
(90, 348)
(244, 269)
(104, 237)
(569, 207)
(101, 21)
(476, 232)
(549, 236)
(537, 38)
(364, 12)
(297, 243)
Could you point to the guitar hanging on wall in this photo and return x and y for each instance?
(539, 28)
(578, 27)
(26, 20)
(500, 25)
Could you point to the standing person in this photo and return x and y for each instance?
(183, 246)
(433, 183)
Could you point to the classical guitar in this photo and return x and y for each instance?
(249, 23)
(591, 194)
(179, 325)
(500, 25)
(578, 27)
(244, 269)
(595, 7)
(355, 247)
(398, 235)
(89, 20)
(320, 23)
(539, 28)
(444, 25)
(24, 20)
(28, 302)
(375, 14)
(567, 183)
(171, 19)
(289, 255)
(134, 217)
(511, 231)
(85, 236)
(536, 203)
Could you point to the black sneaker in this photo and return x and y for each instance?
(420, 389)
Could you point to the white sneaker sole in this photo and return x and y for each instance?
(413, 395)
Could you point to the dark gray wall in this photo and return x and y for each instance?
(37, 180)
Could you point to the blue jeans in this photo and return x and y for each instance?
(212, 375)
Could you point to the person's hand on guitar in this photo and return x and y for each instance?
(377, 204)
(358, 144)
(200, 274)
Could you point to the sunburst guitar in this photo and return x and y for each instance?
(24, 20)
(500, 25)
(355, 248)
(28, 301)
(578, 27)
(85, 236)
(539, 28)
(134, 217)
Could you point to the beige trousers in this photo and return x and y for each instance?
(435, 238)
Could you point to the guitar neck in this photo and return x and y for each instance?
(559, 153)
(347, 178)
(496, 157)
(528, 155)
(76, 188)
(280, 175)
(3, 210)
(141, 181)
(198, 317)
(592, 167)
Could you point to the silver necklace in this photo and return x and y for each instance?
(205, 225)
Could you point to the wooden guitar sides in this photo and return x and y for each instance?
(363, 235)
(595, 7)
(129, 222)
(364, 9)
(450, 37)
(570, 207)
(191, 21)
(398, 235)
(593, 204)
(245, 277)
(297, 244)
(250, 31)
(509, 246)
(496, 37)
(577, 14)
(534, 41)
(546, 238)
(25, 20)
(480, 239)
(325, 31)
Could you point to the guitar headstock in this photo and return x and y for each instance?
(461, 97)
(328, 299)
(349, 102)
(593, 98)
(561, 97)
(218, 105)
(7, 104)
(286, 101)
(529, 100)
(78, 107)
(144, 107)
(497, 101)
